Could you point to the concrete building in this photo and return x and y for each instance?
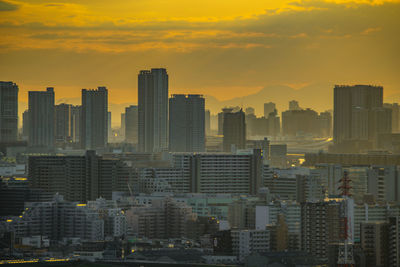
(207, 121)
(58, 219)
(8, 112)
(234, 131)
(186, 123)
(395, 116)
(320, 227)
(247, 242)
(76, 123)
(394, 241)
(374, 242)
(300, 122)
(131, 124)
(63, 123)
(277, 155)
(41, 119)
(164, 218)
(353, 121)
(221, 172)
(294, 105)
(268, 108)
(94, 119)
(153, 110)
(80, 178)
(25, 125)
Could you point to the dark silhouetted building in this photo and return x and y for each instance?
(63, 123)
(294, 105)
(8, 112)
(375, 243)
(79, 178)
(186, 123)
(207, 121)
(354, 128)
(234, 130)
(41, 119)
(94, 118)
(299, 122)
(131, 124)
(25, 125)
(268, 108)
(153, 110)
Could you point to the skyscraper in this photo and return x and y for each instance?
(41, 118)
(153, 110)
(94, 120)
(62, 123)
(8, 112)
(234, 130)
(186, 123)
(75, 123)
(353, 127)
(25, 125)
(131, 124)
(109, 126)
(207, 121)
(268, 108)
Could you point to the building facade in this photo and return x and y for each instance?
(8, 112)
(153, 110)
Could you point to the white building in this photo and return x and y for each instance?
(246, 242)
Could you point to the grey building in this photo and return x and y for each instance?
(234, 130)
(41, 119)
(79, 178)
(94, 119)
(354, 126)
(153, 110)
(75, 123)
(131, 124)
(62, 123)
(186, 123)
(268, 108)
(25, 125)
(8, 112)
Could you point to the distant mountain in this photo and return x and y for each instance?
(315, 96)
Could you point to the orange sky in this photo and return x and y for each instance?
(223, 48)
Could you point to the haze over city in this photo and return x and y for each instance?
(200, 133)
(222, 49)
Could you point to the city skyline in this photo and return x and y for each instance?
(232, 53)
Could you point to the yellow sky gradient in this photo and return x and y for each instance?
(224, 49)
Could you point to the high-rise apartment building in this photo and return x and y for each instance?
(395, 116)
(268, 108)
(294, 105)
(41, 119)
(186, 123)
(354, 126)
(94, 118)
(207, 121)
(374, 242)
(221, 172)
(62, 123)
(76, 123)
(131, 124)
(109, 126)
(300, 122)
(153, 110)
(79, 178)
(234, 130)
(122, 132)
(320, 227)
(25, 125)
(8, 112)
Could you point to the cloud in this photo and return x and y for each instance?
(6, 6)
